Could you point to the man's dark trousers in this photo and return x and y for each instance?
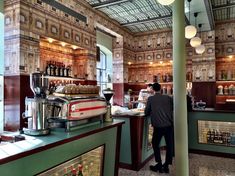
(168, 133)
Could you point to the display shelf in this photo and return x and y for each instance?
(75, 95)
(65, 78)
(225, 81)
(88, 164)
(216, 133)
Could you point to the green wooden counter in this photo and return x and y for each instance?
(36, 154)
(200, 121)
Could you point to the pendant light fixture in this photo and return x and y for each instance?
(201, 48)
(195, 41)
(190, 30)
(165, 2)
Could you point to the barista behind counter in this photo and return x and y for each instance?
(143, 96)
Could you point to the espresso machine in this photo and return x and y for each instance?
(36, 110)
(108, 94)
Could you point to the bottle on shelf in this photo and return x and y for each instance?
(213, 136)
(47, 70)
(208, 136)
(69, 71)
(52, 69)
(56, 69)
(65, 71)
(62, 69)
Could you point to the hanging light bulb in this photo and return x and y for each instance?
(200, 49)
(190, 30)
(165, 2)
(195, 41)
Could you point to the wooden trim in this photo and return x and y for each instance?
(136, 130)
(211, 153)
(118, 146)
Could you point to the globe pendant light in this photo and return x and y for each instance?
(195, 41)
(200, 49)
(190, 30)
(165, 2)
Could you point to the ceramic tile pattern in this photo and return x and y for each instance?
(199, 165)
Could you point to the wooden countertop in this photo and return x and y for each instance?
(213, 110)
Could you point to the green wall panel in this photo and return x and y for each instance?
(125, 150)
(209, 116)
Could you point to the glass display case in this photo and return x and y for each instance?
(87, 164)
(216, 133)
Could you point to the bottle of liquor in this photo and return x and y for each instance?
(56, 69)
(51, 69)
(65, 71)
(208, 136)
(48, 68)
(212, 135)
(69, 71)
(61, 69)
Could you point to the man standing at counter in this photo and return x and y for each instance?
(160, 109)
(143, 96)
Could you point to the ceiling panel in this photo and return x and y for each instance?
(147, 15)
(223, 9)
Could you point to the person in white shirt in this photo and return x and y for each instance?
(143, 96)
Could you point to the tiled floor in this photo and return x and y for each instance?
(199, 165)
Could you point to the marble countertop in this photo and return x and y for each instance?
(34, 144)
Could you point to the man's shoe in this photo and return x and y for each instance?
(165, 168)
(156, 168)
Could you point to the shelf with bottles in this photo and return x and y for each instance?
(225, 88)
(216, 133)
(58, 69)
(64, 78)
(88, 164)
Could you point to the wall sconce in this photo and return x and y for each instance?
(74, 47)
(63, 44)
(129, 63)
(50, 40)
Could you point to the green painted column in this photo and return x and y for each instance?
(1, 63)
(1, 37)
(179, 89)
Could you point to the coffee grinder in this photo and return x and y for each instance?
(108, 93)
(36, 108)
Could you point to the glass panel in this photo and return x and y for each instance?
(216, 132)
(88, 164)
(150, 136)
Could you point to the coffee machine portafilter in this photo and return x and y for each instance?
(36, 108)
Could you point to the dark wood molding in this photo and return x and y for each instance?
(210, 153)
(118, 145)
(136, 131)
